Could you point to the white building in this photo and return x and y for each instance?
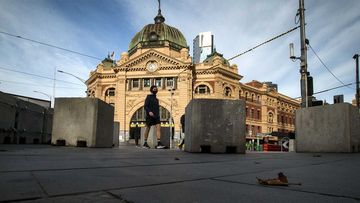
(203, 45)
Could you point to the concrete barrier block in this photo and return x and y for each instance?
(30, 118)
(329, 128)
(116, 134)
(215, 126)
(165, 137)
(8, 111)
(83, 119)
(151, 140)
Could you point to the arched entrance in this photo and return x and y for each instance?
(138, 121)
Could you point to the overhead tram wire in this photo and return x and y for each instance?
(49, 45)
(263, 43)
(36, 85)
(40, 76)
(326, 90)
(322, 62)
(278, 36)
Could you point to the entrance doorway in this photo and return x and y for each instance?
(138, 121)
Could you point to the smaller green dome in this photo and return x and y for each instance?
(210, 58)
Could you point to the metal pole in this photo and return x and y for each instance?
(356, 57)
(170, 122)
(303, 58)
(82, 80)
(53, 103)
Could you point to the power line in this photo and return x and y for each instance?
(50, 45)
(278, 36)
(317, 56)
(30, 84)
(40, 76)
(326, 90)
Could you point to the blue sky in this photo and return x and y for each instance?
(97, 27)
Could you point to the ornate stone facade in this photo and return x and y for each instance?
(157, 56)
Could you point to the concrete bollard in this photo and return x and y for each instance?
(88, 120)
(330, 128)
(152, 140)
(215, 126)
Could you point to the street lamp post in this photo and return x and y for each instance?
(82, 80)
(44, 94)
(171, 90)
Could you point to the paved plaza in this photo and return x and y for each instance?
(43, 173)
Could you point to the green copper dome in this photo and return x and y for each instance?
(155, 35)
(210, 58)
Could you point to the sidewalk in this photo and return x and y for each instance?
(41, 173)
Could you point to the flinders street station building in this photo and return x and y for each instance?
(159, 55)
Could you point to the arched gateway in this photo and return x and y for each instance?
(138, 120)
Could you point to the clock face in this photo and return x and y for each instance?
(152, 66)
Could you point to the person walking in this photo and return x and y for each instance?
(152, 117)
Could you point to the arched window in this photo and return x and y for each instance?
(270, 117)
(110, 92)
(246, 95)
(140, 115)
(227, 91)
(252, 97)
(202, 89)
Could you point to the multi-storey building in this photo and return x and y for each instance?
(203, 45)
(159, 55)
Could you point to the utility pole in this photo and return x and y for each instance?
(303, 58)
(357, 95)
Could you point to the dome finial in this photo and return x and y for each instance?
(159, 18)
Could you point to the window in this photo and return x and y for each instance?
(140, 114)
(202, 89)
(153, 36)
(170, 82)
(147, 82)
(227, 91)
(252, 97)
(135, 83)
(110, 92)
(258, 114)
(270, 117)
(164, 114)
(252, 113)
(91, 94)
(158, 82)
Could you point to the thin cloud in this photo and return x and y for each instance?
(95, 28)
